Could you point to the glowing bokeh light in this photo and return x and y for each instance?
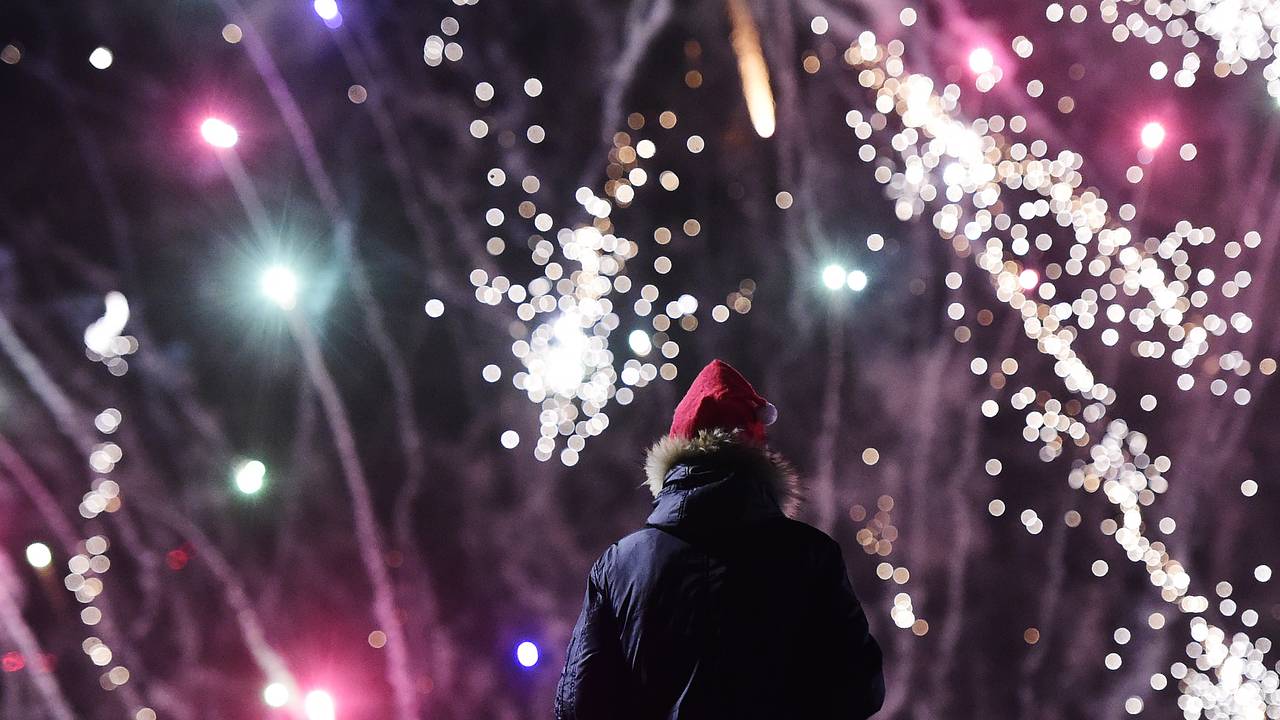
(564, 365)
(39, 555)
(981, 60)
(527, 654)
(250, 477)
(1028, 279)
(640, 342)
(857, 280)
(219, 133)
(326, 9)
(1152, 135)
(280, 285)
(101, 58)
(102, 334)
(319, 705)
(276, 695)
(833, 276)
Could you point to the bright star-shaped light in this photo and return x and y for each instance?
(833, 276)
(280, 285)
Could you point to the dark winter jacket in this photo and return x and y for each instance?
(721, 607)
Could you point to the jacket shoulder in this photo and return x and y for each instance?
(639, 542)
(803, 540)
(643, 540)
(801, 532)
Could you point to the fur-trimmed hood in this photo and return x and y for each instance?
(723, 450)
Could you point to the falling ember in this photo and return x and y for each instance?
(1152, 135)
(755, 74)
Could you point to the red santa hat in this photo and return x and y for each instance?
(720, 398)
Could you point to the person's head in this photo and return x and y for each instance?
(721, 399)
(721, 420)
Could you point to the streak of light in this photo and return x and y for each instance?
(745, 38)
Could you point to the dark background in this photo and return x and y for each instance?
(105, 185)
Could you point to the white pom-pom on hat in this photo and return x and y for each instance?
(768, 413)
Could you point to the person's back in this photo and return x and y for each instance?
(721, 607)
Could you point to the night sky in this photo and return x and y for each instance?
(1043, 432)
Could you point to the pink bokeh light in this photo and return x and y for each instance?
(319, 705)
(219, 133)
(981, 60)
(1152, 135)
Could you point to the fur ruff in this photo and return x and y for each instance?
(726, 447)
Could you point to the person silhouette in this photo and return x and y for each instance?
(721, 606)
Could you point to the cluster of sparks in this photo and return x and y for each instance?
(1246, 32)
(106, 343)
(964, 176)
(565, 317)
(876, 537)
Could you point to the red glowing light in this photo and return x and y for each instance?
(12, 662)
(177, 559)
(1152, 135)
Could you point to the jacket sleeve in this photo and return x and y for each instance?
(591, 686)
(850, 659)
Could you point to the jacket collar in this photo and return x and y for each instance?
(716, 478)
(706, 496)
